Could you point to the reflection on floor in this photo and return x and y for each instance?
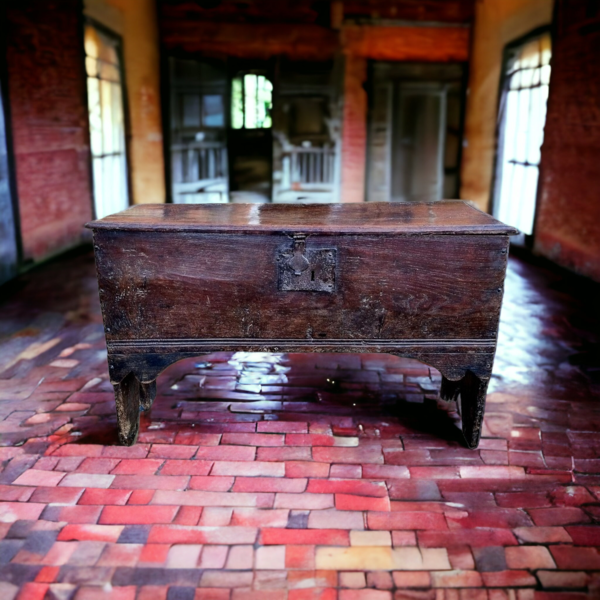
(300, 476)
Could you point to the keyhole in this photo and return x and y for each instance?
(312, 275)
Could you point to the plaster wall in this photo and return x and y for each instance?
(497, 23)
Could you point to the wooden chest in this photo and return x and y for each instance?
(418, 280)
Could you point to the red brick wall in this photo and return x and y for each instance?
(568, 216)
(49, 121)
(419, 44)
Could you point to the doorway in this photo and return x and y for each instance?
(415, 131)
(251, 135)
(419, 120)
(253, 131)
(306, 132)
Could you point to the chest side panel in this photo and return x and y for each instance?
(169, 285)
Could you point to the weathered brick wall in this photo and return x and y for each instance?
(568, 217)
(49, 122)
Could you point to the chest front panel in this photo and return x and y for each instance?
(186, 285)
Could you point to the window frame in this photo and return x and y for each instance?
(241, 75)
(110, 33)
(495, 190)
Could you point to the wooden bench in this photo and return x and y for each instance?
(418, 280)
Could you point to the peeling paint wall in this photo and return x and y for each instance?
(567, 228)
(46, 84)
(136, 22)
(497, 23)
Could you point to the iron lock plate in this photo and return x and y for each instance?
(306, 270)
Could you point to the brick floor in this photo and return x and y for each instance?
(302, 476)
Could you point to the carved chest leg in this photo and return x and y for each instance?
(147, 395)
(128, 394)
(473, 390)
(450, 389)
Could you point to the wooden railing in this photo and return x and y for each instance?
(198, 169)
(309, 166)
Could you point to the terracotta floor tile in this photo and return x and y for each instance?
(335, 519)
(355, 487)
(529, 557)
(255, 477)
(239, 558)
(179, 534)
(543, 535)
(37, 477)
(370, 538)
(137, 515)
(100, 466)
(574, 558)
(353, 579)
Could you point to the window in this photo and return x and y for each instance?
(202, 111)
(521, 132)
(251, 102)
(107, 126)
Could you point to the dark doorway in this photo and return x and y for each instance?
(251, 134)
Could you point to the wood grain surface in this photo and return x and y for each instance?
(157, 285)
(449, 217)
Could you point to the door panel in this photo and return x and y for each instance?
(417, 171)
(415, 131)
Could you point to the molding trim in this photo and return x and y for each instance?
(191, 344)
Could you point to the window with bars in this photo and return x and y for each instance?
(107, 122)
(251, 102)
(521, 119)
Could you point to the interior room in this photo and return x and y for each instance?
(351, 226)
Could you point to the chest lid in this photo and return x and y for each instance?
(441, 218)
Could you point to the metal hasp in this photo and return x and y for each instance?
(306, 270)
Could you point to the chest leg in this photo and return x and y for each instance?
(473, 390)
(128, 396)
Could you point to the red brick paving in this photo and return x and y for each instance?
(254, 474)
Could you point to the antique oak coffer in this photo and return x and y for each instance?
(418, 280)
